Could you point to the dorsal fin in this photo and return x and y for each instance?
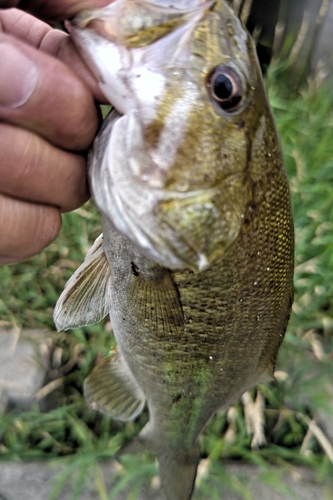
(112, 389)
(86, 298)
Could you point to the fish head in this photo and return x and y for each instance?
(173, 166)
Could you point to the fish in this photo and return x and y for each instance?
(195, 263)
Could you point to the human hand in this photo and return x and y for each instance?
(47, 119)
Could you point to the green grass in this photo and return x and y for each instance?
(79, 438)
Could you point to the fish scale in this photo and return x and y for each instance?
(195, 265)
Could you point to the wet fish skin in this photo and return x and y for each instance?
(189, 342)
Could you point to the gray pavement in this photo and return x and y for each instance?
(35, 481)
(22, 366)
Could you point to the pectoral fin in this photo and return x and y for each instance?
(112, 389)
(86, 298)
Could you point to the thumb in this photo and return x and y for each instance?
(41, 94)
(15, 86)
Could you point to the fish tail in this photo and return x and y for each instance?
(178, 471)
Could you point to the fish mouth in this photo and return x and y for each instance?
(161, 234)
(177, 229)
(127, 37)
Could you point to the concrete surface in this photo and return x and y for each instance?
(34, 481)
(22, 366)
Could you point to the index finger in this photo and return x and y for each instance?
(54, 10)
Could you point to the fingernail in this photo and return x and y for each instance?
(18, 76)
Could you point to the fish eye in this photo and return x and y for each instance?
(226, 88)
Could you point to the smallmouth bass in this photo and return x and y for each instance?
(195, 263)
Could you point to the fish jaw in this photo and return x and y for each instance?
(159, 221)
(172, 175)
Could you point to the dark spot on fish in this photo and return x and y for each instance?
(124, 319)
(176, 399)
(249, 215)
(153, 133)
(135, 269)
(240, 125)
(230, 28)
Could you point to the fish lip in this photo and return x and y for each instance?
(142, 229)
(135, 208)
(158, 237)
(131, 205)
